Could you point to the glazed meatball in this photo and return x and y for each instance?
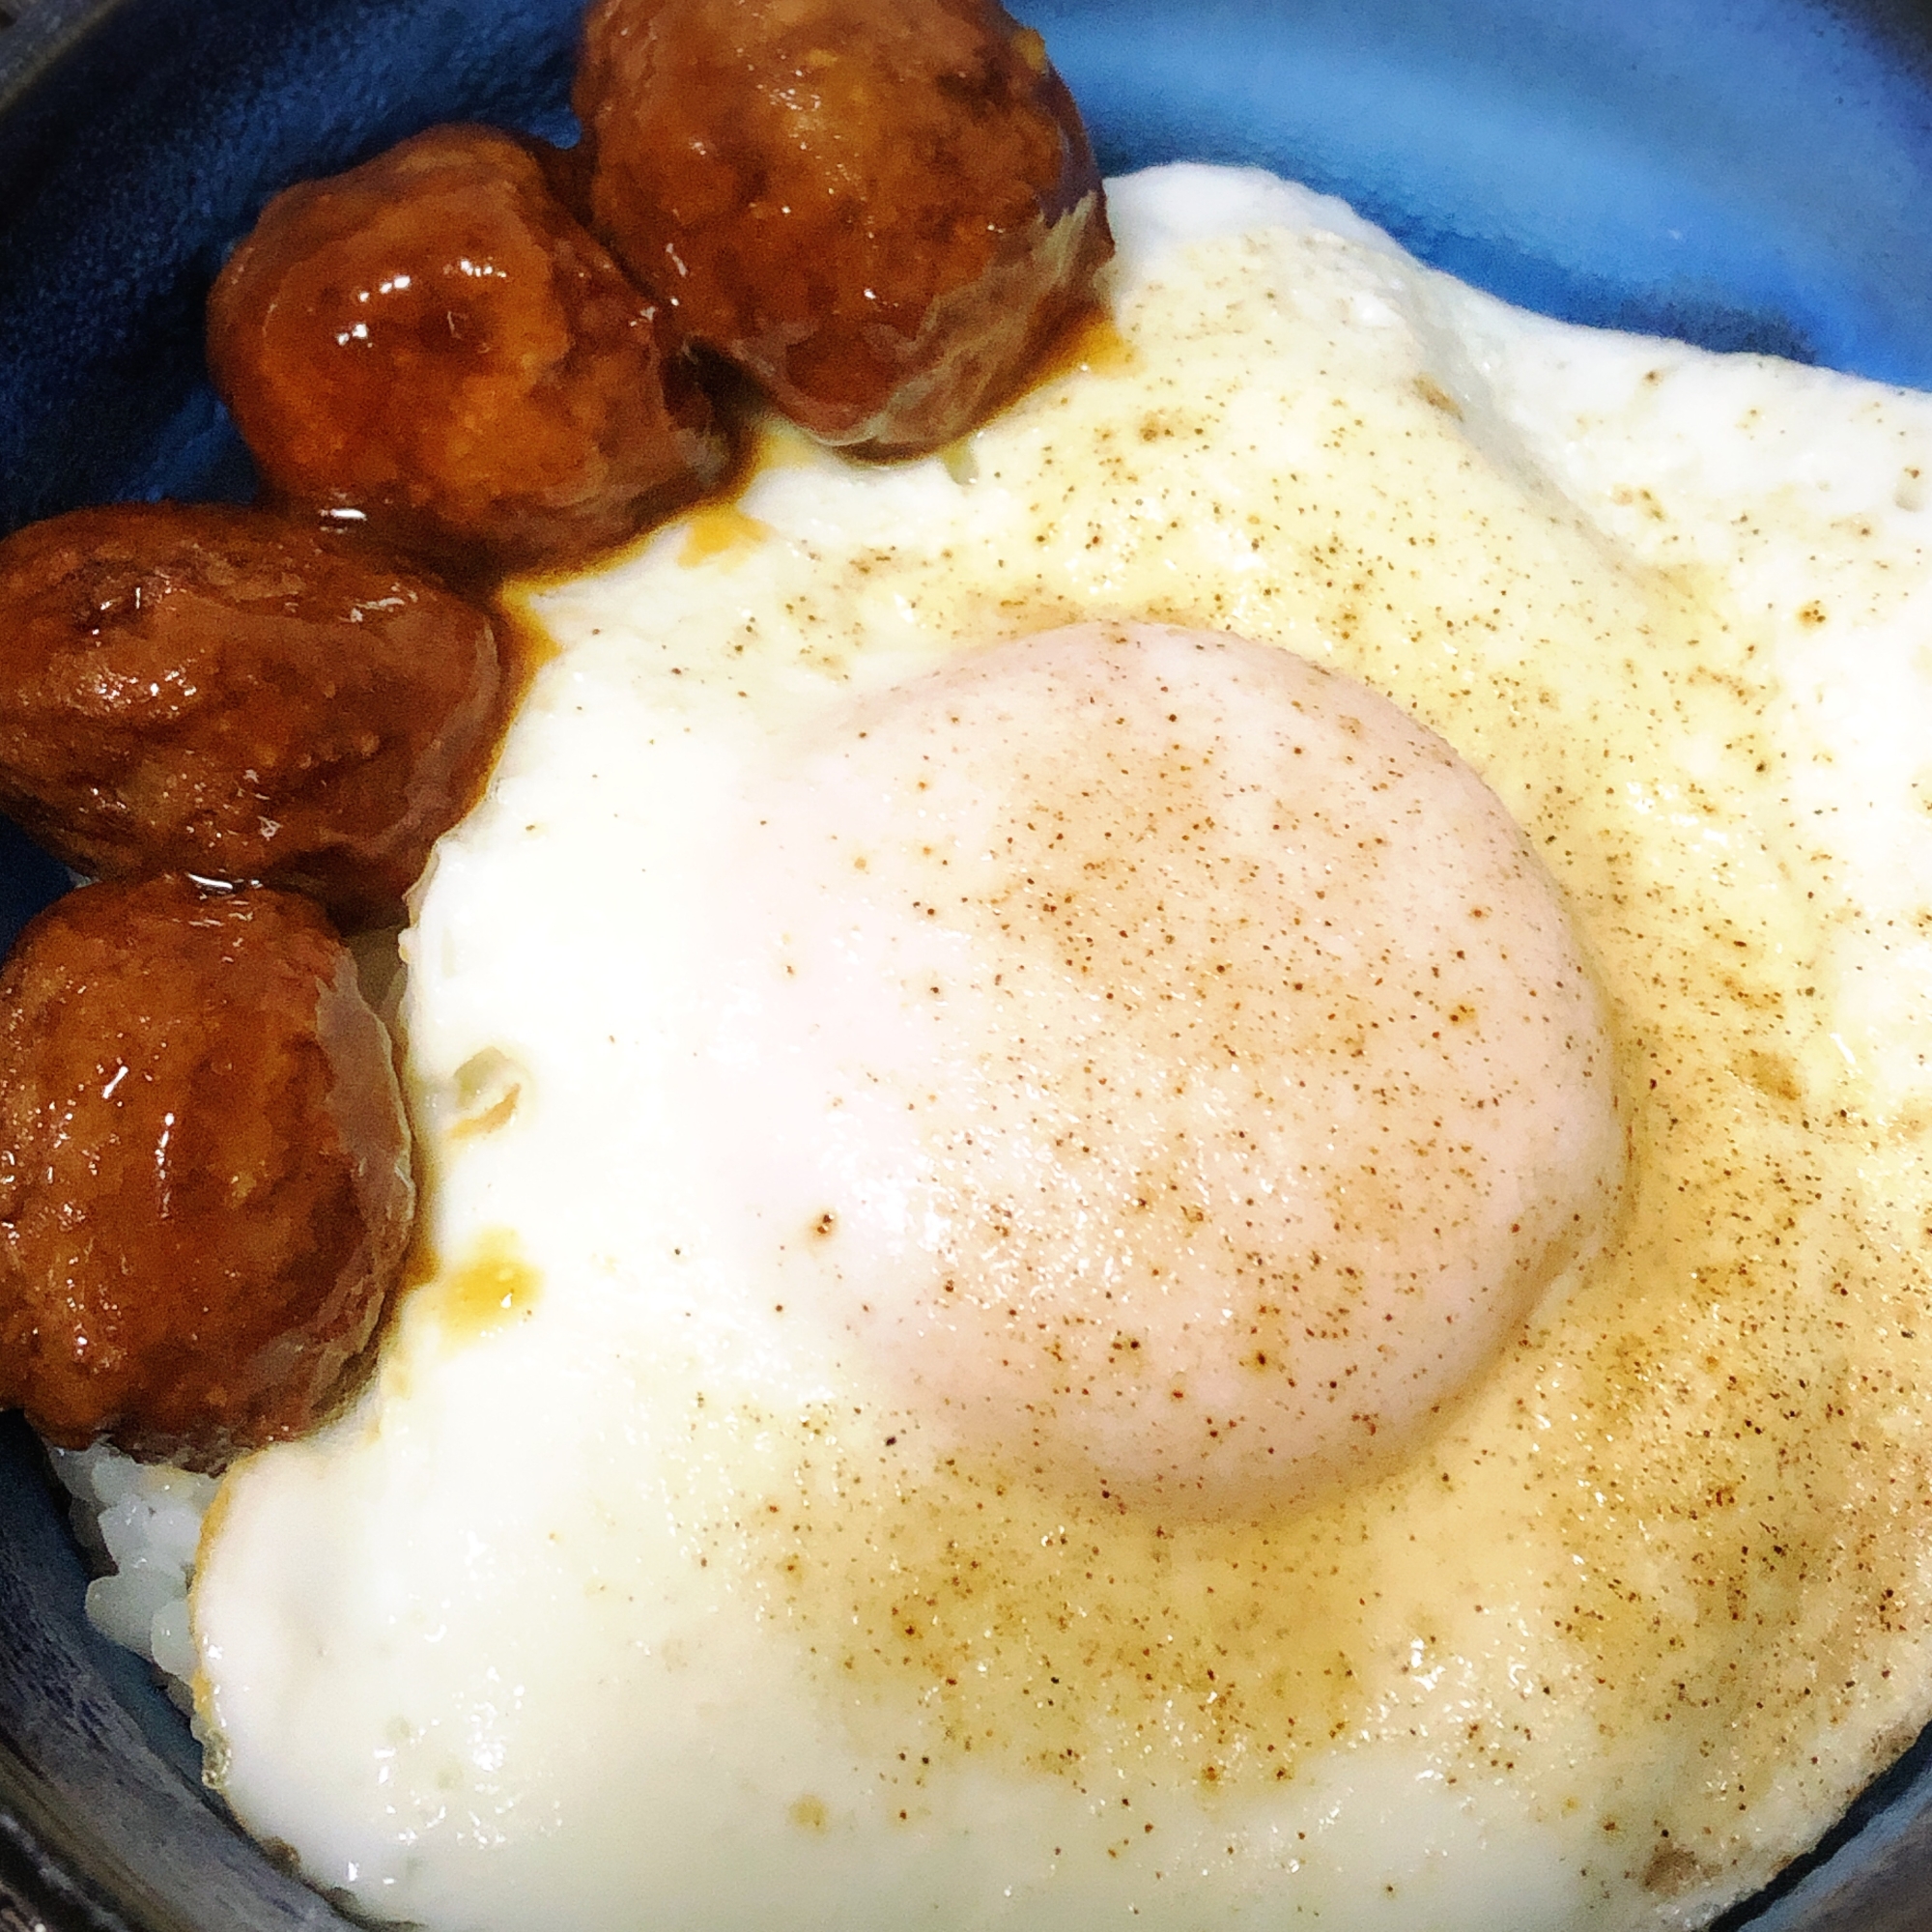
(233, 694)
(880, 209)
(205, 1193)
(432, 342)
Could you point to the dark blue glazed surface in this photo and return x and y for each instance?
(1749, 174)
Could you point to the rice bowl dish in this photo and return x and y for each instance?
(1572, 1672)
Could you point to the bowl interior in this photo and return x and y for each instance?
(1747, 175)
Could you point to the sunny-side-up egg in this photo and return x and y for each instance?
(1081, 1278)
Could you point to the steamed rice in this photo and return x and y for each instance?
(143, 1522)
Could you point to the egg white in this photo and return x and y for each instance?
(626, 1598)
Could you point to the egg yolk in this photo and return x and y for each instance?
(1164, 1058)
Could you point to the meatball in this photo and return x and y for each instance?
(204, 1193)
(880, 209)
(230, 693)
(432, 342)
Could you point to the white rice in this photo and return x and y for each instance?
(141, 1522)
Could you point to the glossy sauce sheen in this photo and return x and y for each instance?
(881, 211)
(232, 694)
(433, 343)
(205, 1187)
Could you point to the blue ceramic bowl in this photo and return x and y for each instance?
(1751, 174)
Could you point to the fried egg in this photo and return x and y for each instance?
(1177, 1167)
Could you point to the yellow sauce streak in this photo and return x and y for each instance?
(1092, 342)
(496, 1114)
(492, 1285)
(719, 530)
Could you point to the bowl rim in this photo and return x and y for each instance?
(55, 1876)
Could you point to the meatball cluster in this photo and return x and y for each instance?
(240, 723)
(471, 354)
(880, 211)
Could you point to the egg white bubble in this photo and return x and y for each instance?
(644, 1589)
